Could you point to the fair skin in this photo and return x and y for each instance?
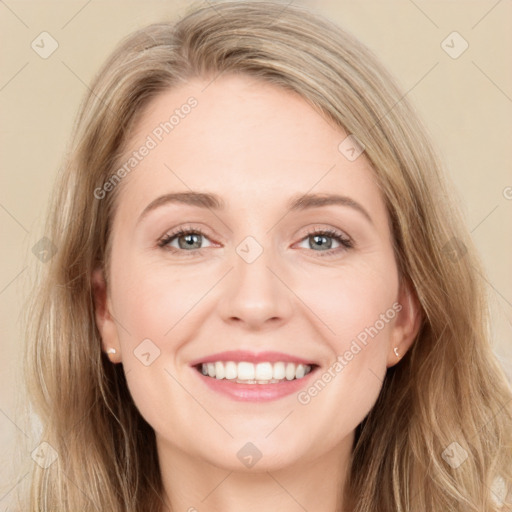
(255, 146)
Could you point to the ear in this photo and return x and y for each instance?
(407, 323)
(103, 315)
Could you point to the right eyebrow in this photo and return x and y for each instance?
(199, 199)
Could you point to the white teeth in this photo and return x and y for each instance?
(290, 371)
(231, 370)
(264, 371)
(279, 371)
(219, 371)
(245, 371)
(250, 373)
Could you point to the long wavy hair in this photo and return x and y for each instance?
(449, 388)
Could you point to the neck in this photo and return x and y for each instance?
(194, 485)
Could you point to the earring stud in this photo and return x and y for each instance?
(395, 350)
(111, 352)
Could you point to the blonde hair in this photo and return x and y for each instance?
(448, 388)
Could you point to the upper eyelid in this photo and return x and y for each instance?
(204, 231)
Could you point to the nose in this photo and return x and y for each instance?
(256, 294)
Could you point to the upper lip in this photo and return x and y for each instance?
(251, 357)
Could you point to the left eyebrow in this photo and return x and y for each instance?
(302, 202)
(214, 202)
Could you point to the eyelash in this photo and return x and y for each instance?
(345, 242)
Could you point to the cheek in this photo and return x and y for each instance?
(156, 309)
(354, 302)
(153, 301)
(355, 310)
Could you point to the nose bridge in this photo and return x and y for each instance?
(255, 294)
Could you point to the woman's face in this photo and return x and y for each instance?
(271, 283)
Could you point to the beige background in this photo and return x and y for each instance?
(466, 104)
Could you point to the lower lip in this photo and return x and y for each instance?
(255, 392)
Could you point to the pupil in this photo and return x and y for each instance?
(324, 238)
(189, 240)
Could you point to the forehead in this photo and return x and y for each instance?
(243, 139)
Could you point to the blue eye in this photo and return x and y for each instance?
(323, 239)
(190, 241)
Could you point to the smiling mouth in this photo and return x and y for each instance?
(255, 373)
